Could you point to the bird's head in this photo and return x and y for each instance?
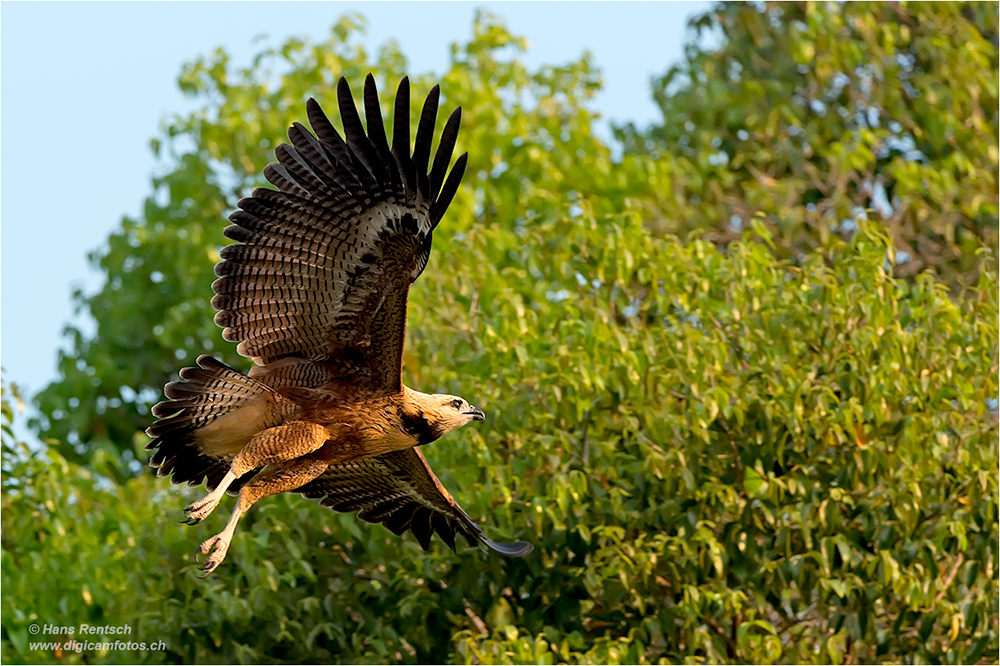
(449, 412)
(442, 413)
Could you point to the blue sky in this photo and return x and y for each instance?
(84, 86)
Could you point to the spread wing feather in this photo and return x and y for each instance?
(203, 395)
(322, 265)
(399, 490)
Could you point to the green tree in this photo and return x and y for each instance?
(809, 112)
(723, 458)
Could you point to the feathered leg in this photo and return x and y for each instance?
(267, 447)
(271, 481)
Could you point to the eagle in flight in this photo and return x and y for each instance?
(314, 290)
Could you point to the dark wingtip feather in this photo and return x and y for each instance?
(362, 148)
(401, 133)
(401, 117)
(376, 130)
(344, 89)
(354, 132)
(515, 549)
(448, 191)
(444, 529)
(425, 131)
(337, 150)
(320, 123)
(422, 527)
(445, 148)
(373, 113)
(324, 129)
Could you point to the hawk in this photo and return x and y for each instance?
(314, 291)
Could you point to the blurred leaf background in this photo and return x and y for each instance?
(740, 367)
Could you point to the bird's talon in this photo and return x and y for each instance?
(216, 548)
(202, 509)
(209, 568)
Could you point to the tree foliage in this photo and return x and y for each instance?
(721, 454)
(812, 112)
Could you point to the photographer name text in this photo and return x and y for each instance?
(81, 630)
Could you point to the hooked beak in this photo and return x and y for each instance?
(476, 414)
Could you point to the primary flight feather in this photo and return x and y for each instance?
(314, 291)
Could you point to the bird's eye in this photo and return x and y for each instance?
(457, 404)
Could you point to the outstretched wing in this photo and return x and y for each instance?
(399, 490)
(320, 275)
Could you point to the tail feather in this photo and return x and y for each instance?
(205, 393)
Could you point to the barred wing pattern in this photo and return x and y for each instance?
(399, 490)
(203, 395)
(321, 271)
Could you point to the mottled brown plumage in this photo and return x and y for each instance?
(314, 291)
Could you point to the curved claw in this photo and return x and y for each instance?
(200, 510)
(216, 549)
(208, 570)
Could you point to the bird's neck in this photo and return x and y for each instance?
(419, 416)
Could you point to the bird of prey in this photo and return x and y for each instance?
(314, 290)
